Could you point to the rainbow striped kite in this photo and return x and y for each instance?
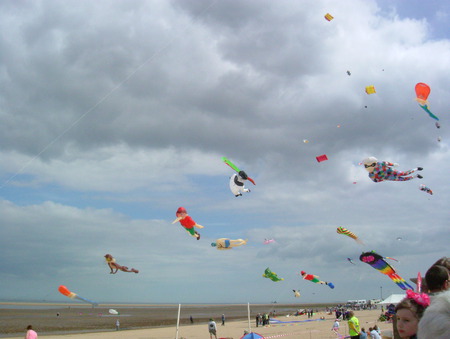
(377, 261)
(343, 230)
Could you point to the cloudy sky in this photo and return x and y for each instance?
(115, 113)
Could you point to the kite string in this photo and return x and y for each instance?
(104, 98)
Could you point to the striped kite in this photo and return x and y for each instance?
(422, 93)
(342, 230)
(377, 261)
(65, 291)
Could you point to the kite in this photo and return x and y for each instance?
(115, 266)
(342, 230)
(377, 261)
(114, 312)
(268, 241)
(438, 125)
(426, 189)
(348, 72)
(321, 158)
(187, 222)
(351, 261)
(439, 139)
(315, 279)
(370, 89)
(296, 293)
(237, 180)
(65, 291)
(228, 244)
(422, 93)
(305, 141)
(328, 16)
(271, 275)
(381, 171)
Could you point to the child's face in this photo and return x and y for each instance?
(407, 323)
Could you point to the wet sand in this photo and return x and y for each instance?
(159, 322)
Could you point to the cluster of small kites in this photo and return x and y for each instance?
(378, 171)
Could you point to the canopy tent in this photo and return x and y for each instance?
(393, 299)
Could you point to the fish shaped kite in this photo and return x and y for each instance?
(228, 244)
(187, 222)
(382, 171)
(426, 189)
(315, 279)
(271, 275)
(65, 291)
(237, 181)
(422, 93)
(115, 266)
(342, 230)
(377, 261)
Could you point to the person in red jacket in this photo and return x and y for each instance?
(187, 222)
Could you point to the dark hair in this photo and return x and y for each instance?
(435, 277)
(411, 305)
(444, 261)
(29, 327)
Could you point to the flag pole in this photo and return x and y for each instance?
(248, 311)
(178, 320)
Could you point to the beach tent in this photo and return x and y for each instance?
(393, 299)
(252, 335)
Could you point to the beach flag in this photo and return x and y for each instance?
(321, 158)
(329, 17)
(370, 89)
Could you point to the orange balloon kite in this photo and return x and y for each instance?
(422, 93)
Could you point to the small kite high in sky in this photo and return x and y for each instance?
(296, 293)
(328, 16)
(187, 222)
(422, 93)
(228, 244)
(426, 189)
(382, 171)
(343, 230)
(115, 266)
(370, 89)
(268, 241)
(315, 279)
(377, 261)
(351, 261)
(321, 158)
(65, 291)
(271, 275)
(237, 181)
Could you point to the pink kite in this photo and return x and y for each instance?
(268, 241)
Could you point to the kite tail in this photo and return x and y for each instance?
(86, 300)
(400, 281)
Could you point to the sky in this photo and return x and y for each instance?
(115, 113)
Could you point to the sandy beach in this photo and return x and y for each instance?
(85, 323)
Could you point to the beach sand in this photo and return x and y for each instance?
(96, 325)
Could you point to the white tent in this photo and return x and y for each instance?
(393, 299)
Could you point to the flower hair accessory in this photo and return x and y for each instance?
(420, 298)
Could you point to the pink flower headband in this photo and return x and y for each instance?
(420, 298)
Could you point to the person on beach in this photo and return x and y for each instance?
(335, 327)
(373, 333)
(31, 334)
(117, 324)
(223, 319)
(191, 319)
(408, 313)
(212, 328)
(353, 326)
(363, 334)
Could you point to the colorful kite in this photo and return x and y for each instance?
(296, 293)
(315, 279)
(228, 244)
(321, 158)
(382, 171)
(377, 261)
(187, 222)
(271, 275)
(329, 17)
(237, 181)
(65, 291)
(370, 89)
(342, 230)
(422, 93)
(115, 266)
(268, 241)
(426, 189)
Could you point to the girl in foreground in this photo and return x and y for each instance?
(408, 313)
